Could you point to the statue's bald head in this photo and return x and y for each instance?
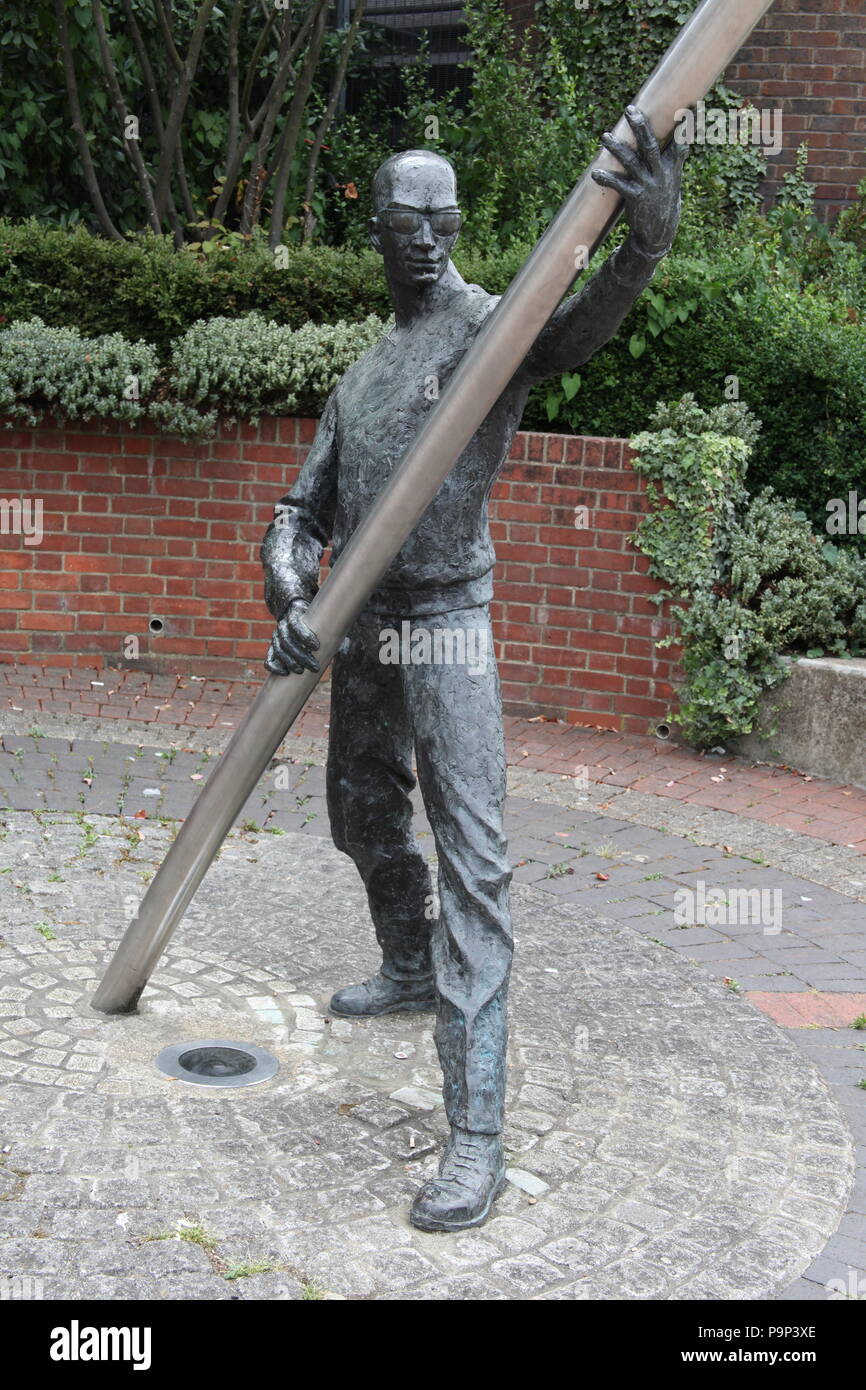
(415, 218)
(417, 178)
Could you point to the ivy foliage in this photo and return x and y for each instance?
(751, 581)
(610, 46)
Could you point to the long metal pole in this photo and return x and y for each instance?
(701, 51)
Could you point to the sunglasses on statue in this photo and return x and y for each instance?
(405, 221)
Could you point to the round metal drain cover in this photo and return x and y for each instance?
(215, 1062)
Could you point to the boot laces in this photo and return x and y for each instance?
(463, 1162)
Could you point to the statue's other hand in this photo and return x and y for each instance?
(293, 643)
(650, 185)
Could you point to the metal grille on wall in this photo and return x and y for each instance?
(394, 31)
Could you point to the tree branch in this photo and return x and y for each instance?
(269, 112)
(146, 68)
(90, 179)
(258, 175)
(131, 146)
(287, 57)
(168, 38)
(235, 159)
(179, 102)
(325, 123)
(233, 78)
(289, 138)
(251, 71)
(156, 114)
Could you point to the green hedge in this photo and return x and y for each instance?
(715, 328)
(145, 289)
(776, 309)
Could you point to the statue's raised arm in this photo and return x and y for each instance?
(650, 189)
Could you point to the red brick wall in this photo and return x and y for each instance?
(138, 525)
(809, 58)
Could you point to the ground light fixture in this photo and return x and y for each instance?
(217, 1062)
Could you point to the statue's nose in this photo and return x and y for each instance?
(424, 236)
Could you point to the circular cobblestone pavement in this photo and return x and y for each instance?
(665, 1141)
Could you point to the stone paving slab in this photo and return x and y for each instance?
(676, 1144)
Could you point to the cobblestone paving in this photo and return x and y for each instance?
(665, 1140)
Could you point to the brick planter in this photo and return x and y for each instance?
(139, 527)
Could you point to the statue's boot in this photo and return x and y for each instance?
(471, 1174)
(382, 995)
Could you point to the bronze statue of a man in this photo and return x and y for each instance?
(456, 958)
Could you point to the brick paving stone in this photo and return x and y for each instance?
(764, 793)
(805, 1010)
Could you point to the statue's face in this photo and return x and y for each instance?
(417, 220)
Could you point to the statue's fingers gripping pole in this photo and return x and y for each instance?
(701, 51)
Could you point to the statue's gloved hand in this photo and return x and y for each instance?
(650, 185)
(293, 643)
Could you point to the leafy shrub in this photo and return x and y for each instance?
(145, 289)
(244, 368)
(225, 367)
(58, 370)
(756, 582)
(736, 320)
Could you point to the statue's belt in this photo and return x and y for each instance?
(390, 601)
